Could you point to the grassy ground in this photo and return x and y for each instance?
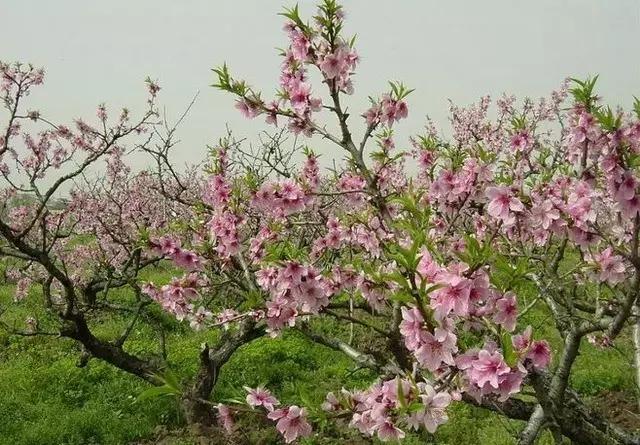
(46, 399)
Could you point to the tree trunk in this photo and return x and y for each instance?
(575, 420)
(195, 402)
(636, 350)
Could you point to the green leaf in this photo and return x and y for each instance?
(155, 392)
(171, 380)
(400, 393)
(510, 356)
(402, 297)
(234, 401)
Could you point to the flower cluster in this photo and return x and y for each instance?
(386, 111)
(291, 421)
(170, 248)
(387, 406)
(279, 199)
(294, 288)
(223, 229)
(177, 296)
(217, 192)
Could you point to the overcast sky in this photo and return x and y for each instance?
(100, 51)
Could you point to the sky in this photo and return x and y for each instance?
(101, 51)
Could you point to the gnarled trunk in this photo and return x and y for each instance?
(573, 419)
(75, 327)
(195, 402)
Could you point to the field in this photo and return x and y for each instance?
(45, 398)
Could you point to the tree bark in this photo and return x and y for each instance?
(76, 328)
(636, 350)
(195, 400)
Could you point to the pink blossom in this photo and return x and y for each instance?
(300, 45)
(291, 422)
(261, 397)
(225, 418)
(225, 317)
(630, 207)
(487, 368)
(435, 403)
(453, 297)
(388, 431)
(506, 312)
(333, 64)
(187, 260)
(626, 188)
(427, 267)
(522, 342)
(331, 403)
(540, 354)
(521, 141)
(372, 115)
(217, 191)
(299, 96)
(247, 108)
(612, 268)
(411, 327)
(198, 319)
(510, 383)
(436, 349)
(544, 214)
(502, 203)
(223, 227)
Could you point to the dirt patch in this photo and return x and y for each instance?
(619, 408)
(191, 436)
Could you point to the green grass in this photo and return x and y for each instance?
(46, 399)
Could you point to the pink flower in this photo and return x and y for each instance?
(454, 297)
(627, 188)
(292, 422)
(630, 207)
(502, 203)
(299, 97)
(427, 267)
(187, 260)
(436, 349)
(225, 418)
(388, 431)
(411, 327)
(521, 141)
(612, 268)
(331, 403)
(261, 397)
(224, 233)
(506, 312)
(333, 64)
(199, 319)
(217, 191)
(487, 368)
(402, 111)
(521, 342)
(372, 115)
(544, 214)
(225, 318)
(299, 45)
(510, 383)
(540, 354)
(247, 109)
(435, 404)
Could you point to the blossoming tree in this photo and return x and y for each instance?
(535, 209)
(511, 206)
